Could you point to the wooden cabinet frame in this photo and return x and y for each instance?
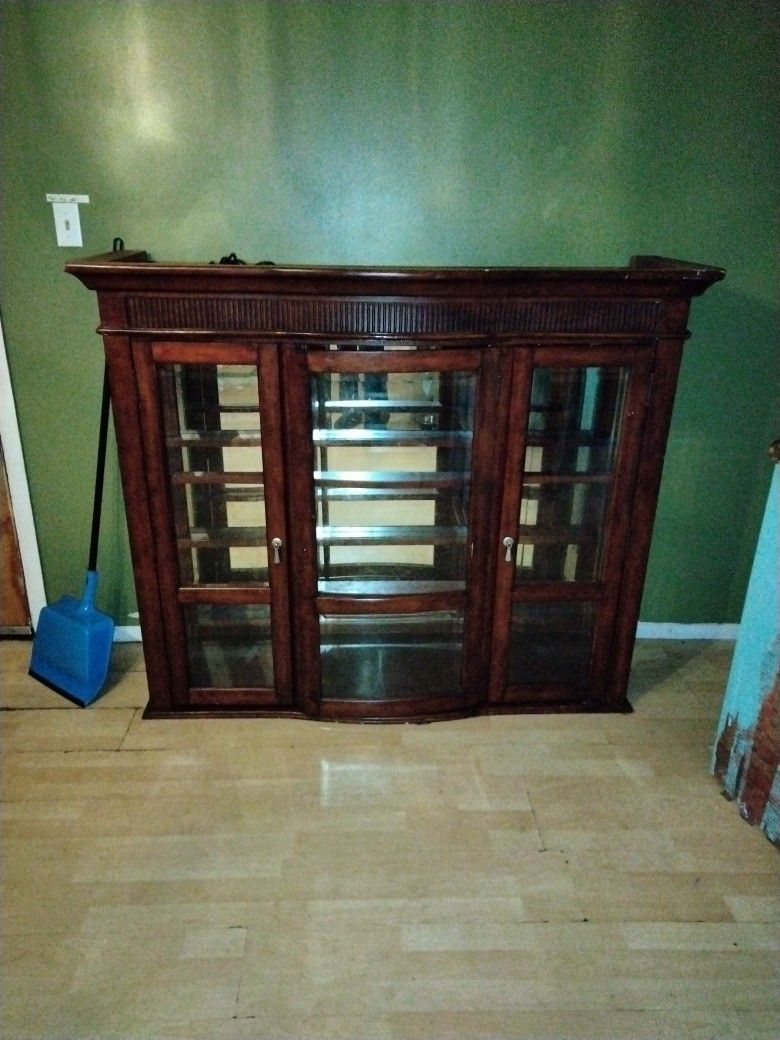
(301, 363)
(603, 593)
(293, 326)
(175, 590)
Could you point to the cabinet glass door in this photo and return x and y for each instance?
(574, 426)
(211, 417)
(220, 464)
(570, 465)
(394, 474)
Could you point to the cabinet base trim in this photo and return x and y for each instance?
(547, 708)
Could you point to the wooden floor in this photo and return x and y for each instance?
(547, 876)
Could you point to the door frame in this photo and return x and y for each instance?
(148, 355)
(20, 491)
(300, 363)
(604, 592)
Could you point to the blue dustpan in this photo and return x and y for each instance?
(72, 644)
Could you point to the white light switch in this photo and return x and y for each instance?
(67, 223)
(66, 217)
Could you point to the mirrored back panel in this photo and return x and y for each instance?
(392, 479)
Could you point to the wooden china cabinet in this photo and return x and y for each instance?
(389, 494)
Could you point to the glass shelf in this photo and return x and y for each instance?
(391, 534)
(392, 438)
(391, 656)
(226, 480)
(411, 406)
(214, 439)
(222, 537)
(368, 588)
(577, 534)
(365, 480)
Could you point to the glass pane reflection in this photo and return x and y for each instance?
(229, 645)
(391, 656)
(392, 460)
(211, 418)
(550, 643)
(573, 435)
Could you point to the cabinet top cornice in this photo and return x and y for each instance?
(133, 271)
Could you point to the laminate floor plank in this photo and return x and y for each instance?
(570, 877)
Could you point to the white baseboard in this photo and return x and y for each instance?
(127, 634)
(673, 630)
(646, 630)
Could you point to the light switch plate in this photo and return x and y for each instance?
(67, 223)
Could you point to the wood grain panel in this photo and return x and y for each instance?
(390, 317)
(14, 611)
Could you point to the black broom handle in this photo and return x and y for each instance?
(99, 472)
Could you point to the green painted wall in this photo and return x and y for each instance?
(424, 132)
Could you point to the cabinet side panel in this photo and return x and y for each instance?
(160, 510)
(617, 526)
(124, 400)
(658, 420)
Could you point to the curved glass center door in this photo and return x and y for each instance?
(393, 440)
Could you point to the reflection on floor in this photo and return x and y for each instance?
(517, 876)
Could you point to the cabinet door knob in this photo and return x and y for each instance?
(276, 545)
(507, 544)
